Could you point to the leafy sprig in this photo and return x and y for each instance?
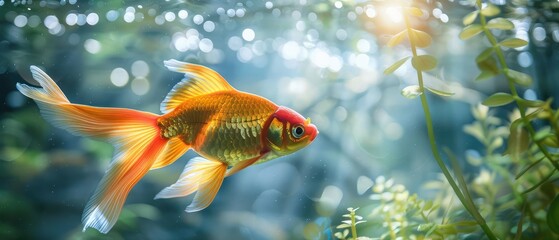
(423, 63)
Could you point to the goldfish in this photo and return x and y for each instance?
(229, 129)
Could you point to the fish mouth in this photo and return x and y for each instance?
(313, 131)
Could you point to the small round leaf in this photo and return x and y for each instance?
(485, 54)
(395, 66)
(470, 31)
(424, 62)
(498, 99)
(490, 10)
(420, 38)
(500, 23)
(513, 43)
(470, 18)
(519, 77)
(397, 39)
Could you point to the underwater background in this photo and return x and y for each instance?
(374, 171)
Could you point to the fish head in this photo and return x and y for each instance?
(286, 131)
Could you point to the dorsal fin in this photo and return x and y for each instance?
(199, 80)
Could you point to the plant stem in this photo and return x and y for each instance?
(353, 228)
(431, 133)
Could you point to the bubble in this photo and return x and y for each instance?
(51, 21)
(111, 15)
(181, 44)
(530, 94)
(312, 17)
(140, 69)
(290, 50)
(248, 34)
(119, 77)
(209, 26)
(351, 16)
(235, 43)
(230, 12)
(206, 45)
(244, 54)
(437, 12)
(140, 86)
(170, 16)
(20, 21)
(269, 5)
(198, 19)
(81, 19)
(370, 11)
(214, 57)
(335, 63)
(338, 4)
(220, 11)
(92, 46)
(129, 17)
(363, 45)
(92, 19)
(72, 19)
(319, 58)
(539, 34)
(183, 14)
(34, 21)
(525, 59)
(341, 34)
(159, 20)
(240, 12)
(444, 18)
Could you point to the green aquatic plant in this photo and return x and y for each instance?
(351, 223)
(422, 63)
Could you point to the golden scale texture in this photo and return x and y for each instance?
(225, 126)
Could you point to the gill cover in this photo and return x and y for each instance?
(286, 131)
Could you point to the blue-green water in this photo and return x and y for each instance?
(324, 59)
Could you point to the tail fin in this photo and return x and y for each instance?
(135, 135)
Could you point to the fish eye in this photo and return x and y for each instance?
(297, 131)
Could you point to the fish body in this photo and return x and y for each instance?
(230, 129)
(226, 126)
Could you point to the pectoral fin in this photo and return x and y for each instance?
(201, 175)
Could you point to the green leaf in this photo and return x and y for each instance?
(490, 10)
(413, 11)
(420, 38)
(470, 18)
(519, 78)
(485, 54)
(489, 65)
(439, 92)
(411, 92)
(484, 75)
(553, 215)
(498, 99)
(470, 31)
(530, 103)
(397, 39)
(395, 66)
(500, 23)
(436, 85)
(513, 43)
(424, 62)
(543, 133)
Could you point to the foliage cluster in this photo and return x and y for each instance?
(512, 193)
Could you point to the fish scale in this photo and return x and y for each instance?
(224, 126)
